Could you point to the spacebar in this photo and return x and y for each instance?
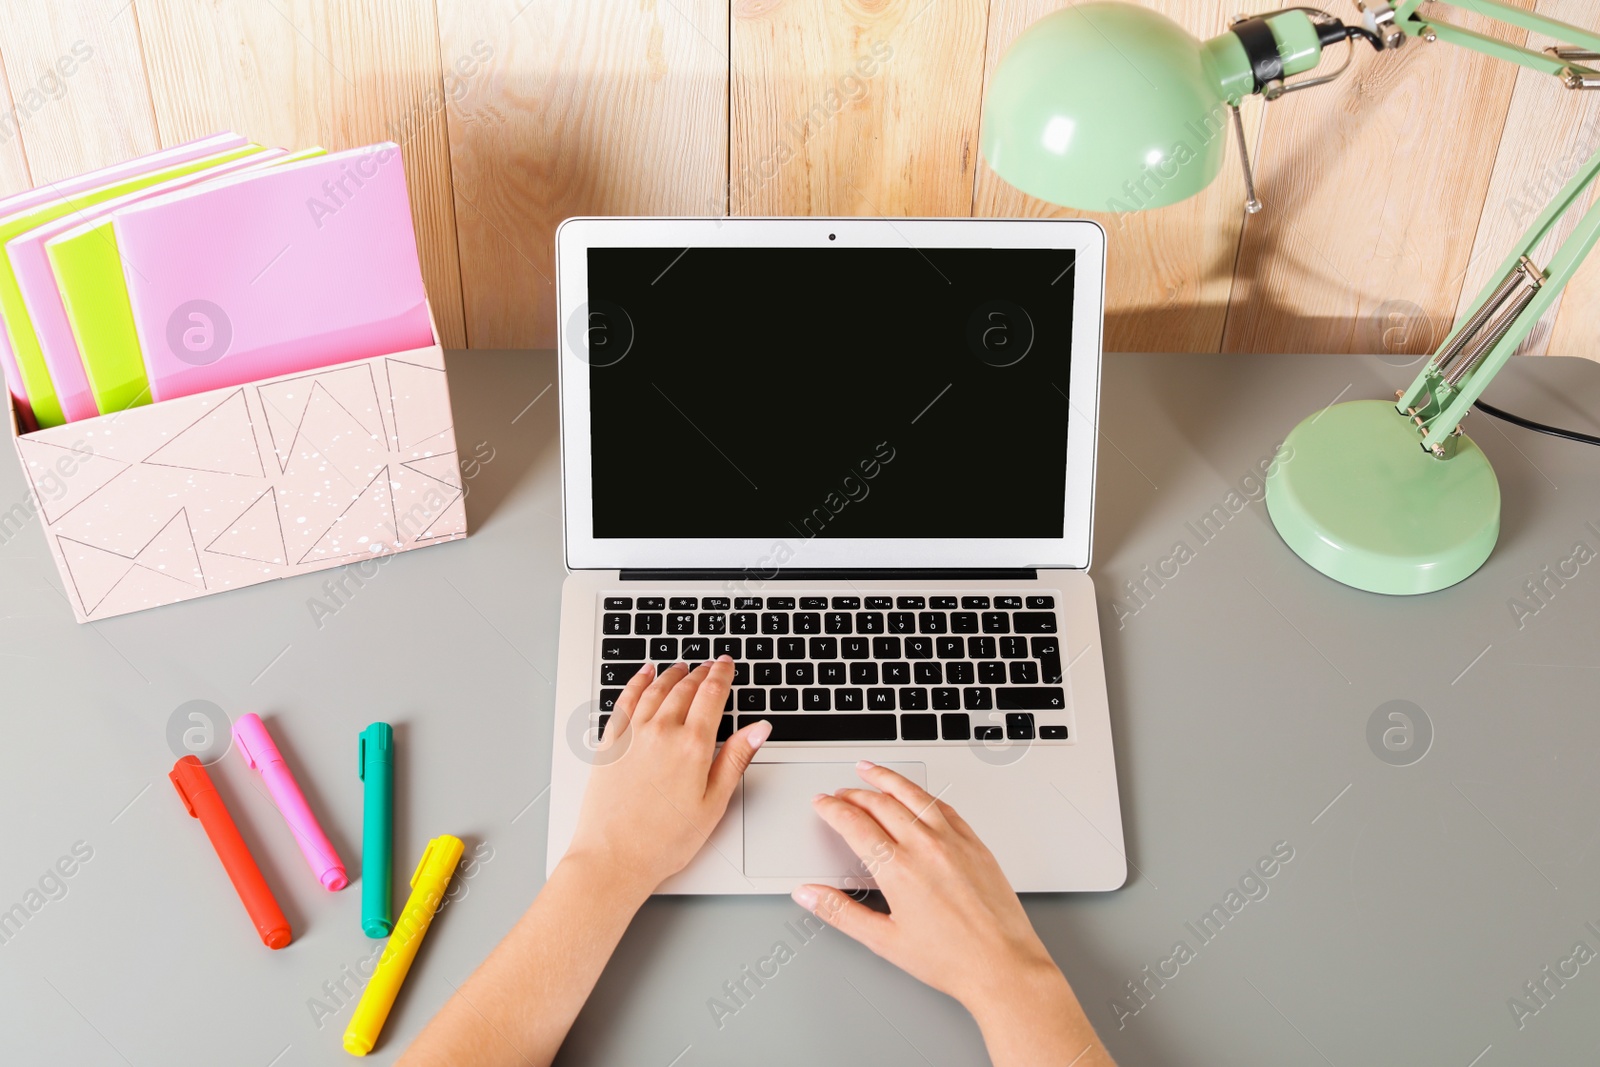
(856, 727)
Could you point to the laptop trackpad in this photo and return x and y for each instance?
(783, 835)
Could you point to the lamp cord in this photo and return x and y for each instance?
(1537, 427)
(1365, 34)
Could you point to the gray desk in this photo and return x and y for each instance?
(1420, 897)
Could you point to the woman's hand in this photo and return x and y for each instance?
(659, 787)
(955, 922)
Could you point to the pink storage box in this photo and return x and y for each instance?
(241, 485)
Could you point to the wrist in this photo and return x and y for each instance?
(1030, 989)
(606, 876)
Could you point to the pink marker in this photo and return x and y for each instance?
(260, 754)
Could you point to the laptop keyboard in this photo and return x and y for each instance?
(865, 669)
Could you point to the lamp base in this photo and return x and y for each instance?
(1355, 496)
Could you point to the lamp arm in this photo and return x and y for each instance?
(1546, 62)
(1500, 317)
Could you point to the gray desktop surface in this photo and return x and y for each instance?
(1422, 893)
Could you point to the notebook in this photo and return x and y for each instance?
(37, 384)
(88, 271)
(32, 198)
(276, 271)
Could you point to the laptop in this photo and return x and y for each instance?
(858, 456)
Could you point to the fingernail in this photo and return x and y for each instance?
(682, 664)
(759, 733)
(724, 658)
(806, 897)
(820, 797)
(644, 668)
(865, 765)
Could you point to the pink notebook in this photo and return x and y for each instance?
(167, 157)
(271, 272)
(37, 281)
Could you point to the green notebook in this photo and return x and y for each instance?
(88, 269)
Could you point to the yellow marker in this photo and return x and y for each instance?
(439, 861)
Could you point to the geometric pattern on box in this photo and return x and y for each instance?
(225, 489)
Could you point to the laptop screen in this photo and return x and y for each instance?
(829, 392)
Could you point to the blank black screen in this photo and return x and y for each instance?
(828, 392)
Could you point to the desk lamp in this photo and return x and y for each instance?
(1113, 107)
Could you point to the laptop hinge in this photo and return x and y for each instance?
(859, 574)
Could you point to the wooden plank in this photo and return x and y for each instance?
(1373, 193)
(14, 177)
(583, 109)
(855, 109)
(310, 72)
(1169, 271)
(1549, 131)
(77, 87)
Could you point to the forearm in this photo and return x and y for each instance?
(519, 1004)
(1036, 1021)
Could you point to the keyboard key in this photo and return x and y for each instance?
(847, 699)
(727, 646)
(725, 727)
(1035, 698)
(914, 699)
(623, 648)
(947, 699)
(799, 674)
(713, 623)
(927, 673)
(744, 623)
(823, 647)
(758, 648)
(1012, 602)
(774, 623)
(747, 603)
(785, 700)
(975, 603)
(608, 699)
(661, 648)
(864, 673)
(977, 699)
(933, 622)
(837, 622)
(741, 673)
(615, 624)
(600, 730)
(780, 603)
(846, 603)
(807, 622)
(830, 673)
(813, 603)
(1014, 647)
(1024, 672)
(980, 648)
(817, 700)
(880, 699)
(1019, 726)
(955, 727)
(647, 624)
(869, 622)
(885, 648)
(696, 650)
(714, 603)
(919, 648)
(1052, 733)
(919, 728)
(896, 673)
(1047, 650)
(652, 603)
(910, 603)
(959, 673)
(996, 622)
(880, 603)
(662, 668)
(986, 733)
(855, 648)
(964, 622)
(902, 622)
(828, 727)
(1041, 602)
(992, 673)
(752, 700)
(791, 648)
(684, 603)
(618, 673)
(950, 647)
(944, 602)
(1034, 622)
(619, 603)
(769, 673)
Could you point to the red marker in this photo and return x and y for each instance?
(203, 801)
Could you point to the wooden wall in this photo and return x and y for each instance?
(1389, 194)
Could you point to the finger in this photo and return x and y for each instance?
(675, 706)
(916, 799)
(629, 697)
(866, 838)
(850, 917)
(705, 710)
(734, 760)
(656, 692)
(953, 817)
(890, 814)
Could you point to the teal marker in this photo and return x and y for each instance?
(377, 828)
